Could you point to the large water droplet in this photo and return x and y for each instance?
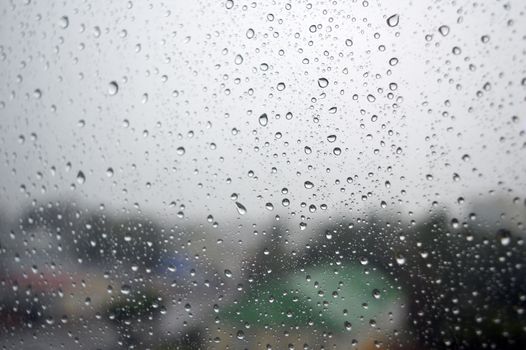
(323, 83)
(263, 119)
(125, 289)
(504, 237)
(393, 20)
(444, 30)
(113, 88)
(81, 178)
(241, 208)
(64, 22)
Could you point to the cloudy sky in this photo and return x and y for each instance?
(193, 106)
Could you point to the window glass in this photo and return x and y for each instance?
(262, 174)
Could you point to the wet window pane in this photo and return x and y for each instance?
(262, 174)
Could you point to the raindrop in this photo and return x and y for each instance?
(109, 172)
(113, 88)
(376, 294)
(393, 20)
(241, 208)
(238, 60)
(263, 119)
(504, 237)
(64, 22)
(400, 259)
(81, 178)
(444, 30)
(125, 289)
(323, 83)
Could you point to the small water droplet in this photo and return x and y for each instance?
(323, 83)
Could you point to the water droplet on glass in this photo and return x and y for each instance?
(263, 119)
(81, 178)
(64, 22)
(376, 294)
(444, 30)
(113, 88)
(393, 20)
(241, 208)
(323, 83)
(504, 237)
(238, 60)
(109, 172)
(125, 289)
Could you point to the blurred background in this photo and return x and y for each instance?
(262, 175)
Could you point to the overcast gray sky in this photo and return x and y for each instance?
(181, 83)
